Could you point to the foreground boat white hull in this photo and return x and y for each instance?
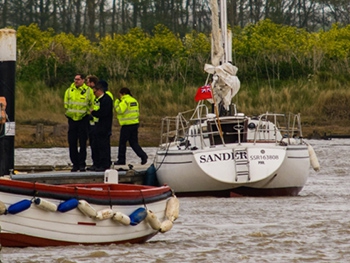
(35, 226)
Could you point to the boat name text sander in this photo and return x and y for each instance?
(241, 155)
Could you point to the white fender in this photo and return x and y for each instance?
(87, 209)
(172, 208)
(313, 158)
(105, 214)
(45, 205)
(153, 220)
(2, 208)
(291, 141)
(166, 226)
(121, 218)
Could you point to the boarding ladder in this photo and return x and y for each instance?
(241, 165)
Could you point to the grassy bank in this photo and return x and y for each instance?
(323, 105)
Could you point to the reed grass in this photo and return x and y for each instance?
(37, 103)
(324, 106)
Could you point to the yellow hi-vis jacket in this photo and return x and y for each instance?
(95, 107)
(110, 94)
(78, 101)
(127, 109)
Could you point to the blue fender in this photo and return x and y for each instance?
(68, 205)
(19, 206)
(138, 216)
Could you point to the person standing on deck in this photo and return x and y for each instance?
(102, 114)
(127, 109)
(78, 99)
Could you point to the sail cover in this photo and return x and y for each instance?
(225, 85)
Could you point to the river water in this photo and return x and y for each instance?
(311, 227)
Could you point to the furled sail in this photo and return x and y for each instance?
(225, 83)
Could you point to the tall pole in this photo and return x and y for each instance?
(223, 23)
(7, 99)
(226, 34)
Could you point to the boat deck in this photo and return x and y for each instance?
(62, 175)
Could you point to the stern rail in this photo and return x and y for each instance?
(203, 129)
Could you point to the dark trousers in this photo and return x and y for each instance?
(78, 133)
(92, 144)
(101, 148)
(129, 133)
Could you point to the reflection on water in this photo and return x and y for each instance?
(311, 227)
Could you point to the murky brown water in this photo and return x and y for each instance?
(312, 227)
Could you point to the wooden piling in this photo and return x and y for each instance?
(39, 135)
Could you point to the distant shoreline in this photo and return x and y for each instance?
(148, 136)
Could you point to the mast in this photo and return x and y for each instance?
(226, 36)
(221, 37)
(225, 84)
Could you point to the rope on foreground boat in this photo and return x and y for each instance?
(136, 217)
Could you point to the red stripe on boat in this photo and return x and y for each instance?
(87, 223)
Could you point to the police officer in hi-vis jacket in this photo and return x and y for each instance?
(127, 109)
(78, 100)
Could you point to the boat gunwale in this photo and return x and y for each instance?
(144, 194)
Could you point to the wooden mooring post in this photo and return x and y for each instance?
(39, 135)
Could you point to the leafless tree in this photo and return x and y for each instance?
(180, 16)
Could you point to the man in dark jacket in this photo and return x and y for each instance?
(102, 114)
(91, 81)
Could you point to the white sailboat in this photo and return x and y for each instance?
(218, 151)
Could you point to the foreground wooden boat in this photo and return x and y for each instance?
(35, 214)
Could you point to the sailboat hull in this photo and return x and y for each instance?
(270, 170)
(222, 152)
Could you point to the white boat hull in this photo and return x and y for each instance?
(270, 170)
(77, 227)
(35, 226)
